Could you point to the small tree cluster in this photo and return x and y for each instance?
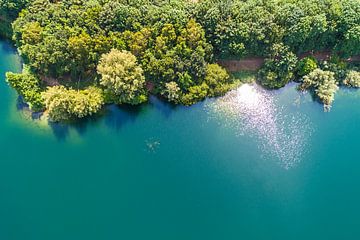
(172, 92)
(279, 68)
(324, 84)
(28, 86)
(217, 79)
(306, 66)
(352, 79)
(65, 104)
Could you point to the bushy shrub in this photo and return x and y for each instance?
(352, 79)
(324, 84)
(195, 94)
(306, 66)
(336, 65)
(279, 68)
(28, 86)
(217, 79)
(64, 104)
(172, 92)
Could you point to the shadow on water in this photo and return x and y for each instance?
(302, 94)
(347, 90)
(113, 117)
(7, 47)
(165, 108)
(62, 130)
(24, 107)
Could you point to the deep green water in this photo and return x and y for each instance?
(251, 165)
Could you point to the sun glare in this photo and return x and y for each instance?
(253, 109)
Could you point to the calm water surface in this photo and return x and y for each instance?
(251, 165)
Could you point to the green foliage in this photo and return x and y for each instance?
(180, 55)
(28, 86)
(306, 66)
(239, 28)
(172, 92)
(9, 10)
(66, 39)
(13, 5)
(217, 79)
(5, 27)
(279, 68)
(62, 38)
(352, 79)
(324, 84)
(122, 77)
(195, 94)
(245, 28)
(351, 43)
(336, 65)
(175, 41)
(236, 27)
(65, 104)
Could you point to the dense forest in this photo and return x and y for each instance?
(80, 55)
(9, 10)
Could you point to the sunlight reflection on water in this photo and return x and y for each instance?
(254, 111)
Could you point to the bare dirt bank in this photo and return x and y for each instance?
(254, 63)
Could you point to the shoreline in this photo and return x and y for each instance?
(255, 63)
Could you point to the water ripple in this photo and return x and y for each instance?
(251, 110)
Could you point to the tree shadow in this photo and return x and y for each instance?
(116, 116)
(62, 130)
(22, 106)
(347, 89)
(8, 47)
(162, 106)
(112, 116)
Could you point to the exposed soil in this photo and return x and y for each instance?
(51, 82)
(254, 63)
(246, 64)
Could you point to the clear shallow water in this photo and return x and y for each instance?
(252, 165)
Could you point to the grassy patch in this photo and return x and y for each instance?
(245, 76)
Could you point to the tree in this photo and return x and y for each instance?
(195, 94)
(306, 66)
(9, 10)
(174, 41)
(28, 86)
(217, 79)
(172, 92)
(279, 68)
(177, 54)
(122, 77)
(65, 104)
(324, 84)
(352, 79)
(351, 44)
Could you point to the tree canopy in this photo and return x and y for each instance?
(130, 49)
(122, 77)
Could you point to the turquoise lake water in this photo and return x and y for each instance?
(251, 165)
